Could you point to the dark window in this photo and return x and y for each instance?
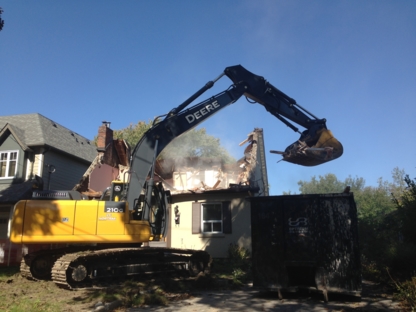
(211, 217)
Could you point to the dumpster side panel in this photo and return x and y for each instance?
(306, 241)
(339, 261)
(267, 245)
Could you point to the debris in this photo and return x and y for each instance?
(325, 148)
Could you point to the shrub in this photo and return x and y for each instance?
(239, 258)
(406, 292)
(238, 255)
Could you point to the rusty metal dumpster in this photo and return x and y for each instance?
(306, 241)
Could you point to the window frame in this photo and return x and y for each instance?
(197, 217)
(211, 221)
(8, 162)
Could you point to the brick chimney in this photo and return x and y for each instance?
(105, 137)
(105, 144)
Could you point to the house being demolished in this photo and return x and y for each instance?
(180, 176)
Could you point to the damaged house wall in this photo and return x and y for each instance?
(199, 174)
(209, 210)
(254, 161)
(111, 163)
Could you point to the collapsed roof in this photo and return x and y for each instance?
(180, 176)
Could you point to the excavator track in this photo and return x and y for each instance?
(82, 268)
(25, 270)
(38, 265)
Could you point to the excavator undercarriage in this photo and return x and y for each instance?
(80, 267)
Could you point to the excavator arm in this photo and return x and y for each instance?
(315, 146)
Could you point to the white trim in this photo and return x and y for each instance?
(40, 164)
(28, 171)
(212, 221)
(8, 163)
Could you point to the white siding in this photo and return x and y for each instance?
(38, 164)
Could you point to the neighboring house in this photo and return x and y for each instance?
(37, 152)
(209, 209)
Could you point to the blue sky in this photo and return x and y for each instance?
(351, 62)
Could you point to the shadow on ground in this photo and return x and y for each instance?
(374, 298)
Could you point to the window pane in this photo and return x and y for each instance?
(12, 168)
(212, 212)
(2, 169)
(212, 217)
(207, 227)
(13, 156)
(216, 227)
(3, 156)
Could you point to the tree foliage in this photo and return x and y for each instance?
(194, 143)
(386, 212)
(132, 133)
(328, 183)
(406, 205)
(373, 203)
(1, 20)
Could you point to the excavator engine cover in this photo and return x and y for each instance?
(324, 147)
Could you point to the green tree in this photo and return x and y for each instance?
(329, 183)
(406, 205)
(1, 20)
(133, 133)
(399, 182)
(375, 203)
(377, 212)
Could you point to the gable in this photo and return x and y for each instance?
(35, 130)
(10, 135)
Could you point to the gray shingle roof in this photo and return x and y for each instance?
(37, 130)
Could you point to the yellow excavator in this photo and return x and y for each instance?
(103, 238)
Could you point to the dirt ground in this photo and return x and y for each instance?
(17, 293)
(27, 295)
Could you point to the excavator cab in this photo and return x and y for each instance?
(154, 211)
(115, 192)
(118, 190)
